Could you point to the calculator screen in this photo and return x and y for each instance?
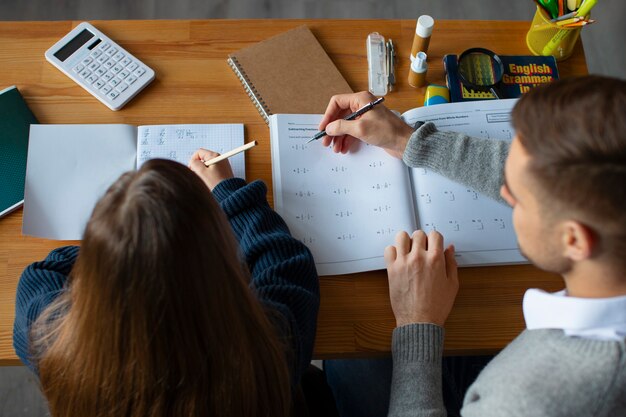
(73, 45)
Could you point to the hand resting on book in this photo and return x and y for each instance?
(380, 126)
(423, 279)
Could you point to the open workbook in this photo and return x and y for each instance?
(348, 208)
(69, 167)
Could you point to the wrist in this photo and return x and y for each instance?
(405, 321)
(402, 139)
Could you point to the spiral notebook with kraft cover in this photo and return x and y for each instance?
(288, 73)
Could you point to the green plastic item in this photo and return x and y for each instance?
(15, 121)
(551, 6)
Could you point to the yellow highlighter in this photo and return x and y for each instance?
(556, 40)
(586, 7)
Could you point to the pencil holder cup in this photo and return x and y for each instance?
(548, 38)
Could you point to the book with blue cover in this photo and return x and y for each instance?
(521, 73)
(15, 121)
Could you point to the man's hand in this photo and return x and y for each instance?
(211, 175)
(379, 126)
(423, 279)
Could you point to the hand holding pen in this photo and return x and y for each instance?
(379, 126)
(369, 106)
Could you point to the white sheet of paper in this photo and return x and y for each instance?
(69, 167)
(179, 142)
(341, 206)
(480, 228)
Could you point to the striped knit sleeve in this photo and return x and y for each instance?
(474, 162)
(282, 268)
(416, 382)
(40, 283)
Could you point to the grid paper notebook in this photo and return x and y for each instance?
(64, 181)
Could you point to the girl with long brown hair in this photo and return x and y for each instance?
(173, 305)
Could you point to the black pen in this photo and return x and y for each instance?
(353, 116)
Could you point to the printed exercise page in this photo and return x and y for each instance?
(345, 208)
(179, 142)
(480, 228)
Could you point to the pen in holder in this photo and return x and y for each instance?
(548, 38)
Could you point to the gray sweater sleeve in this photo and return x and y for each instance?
(477, 163)
(416, 389)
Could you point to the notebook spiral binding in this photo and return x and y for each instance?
(250, 90)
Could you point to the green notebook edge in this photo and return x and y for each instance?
(15, 121)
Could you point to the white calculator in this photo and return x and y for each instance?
(100, 66)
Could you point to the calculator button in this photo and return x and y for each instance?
(111, 51)
(95, 53)
(92, 78)
(119, 56)
(122, 87)
(86, 61)
(117, 68)
(123, 74)
(79, 68)
(108, 76)
(104, 46)
(114, 82)
(131, 79)
(126, 61)
(101, 71)
(99, 83)
(102, 59)
(139, 72)
(106, 89)
(85, 73)
(93, 66)
(109, 64)
(113, 94)
(132, 66)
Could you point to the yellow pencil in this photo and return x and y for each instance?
(569, 21)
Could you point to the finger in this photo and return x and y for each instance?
(203, 155)
(403, 243)
(327, 140)
(338, 144)
(420, 241)
(341, 105)
(196, 165)
(344, 127)
(337, 105)
(390, 255)
(435, 241)
(451, 266)
(346, 144)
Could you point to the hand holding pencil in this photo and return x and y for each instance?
(213, 168)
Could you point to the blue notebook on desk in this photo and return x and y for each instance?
(15, 121)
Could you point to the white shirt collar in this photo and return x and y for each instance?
(591, 318)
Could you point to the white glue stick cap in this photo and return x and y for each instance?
(424, 26)
(419, 63)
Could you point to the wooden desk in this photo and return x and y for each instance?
(195, 85)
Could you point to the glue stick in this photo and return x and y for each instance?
(417, 75)
(423, 30)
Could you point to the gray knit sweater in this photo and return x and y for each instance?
(542, 372)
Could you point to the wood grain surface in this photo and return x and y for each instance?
(194, 84)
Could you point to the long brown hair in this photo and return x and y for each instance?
(158, 319)
(575, 132)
